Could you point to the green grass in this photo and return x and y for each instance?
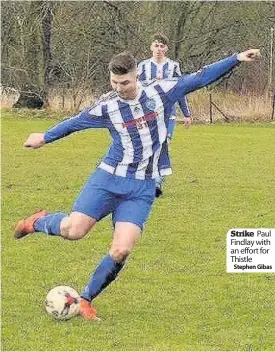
(174, 293)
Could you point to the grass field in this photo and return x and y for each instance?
(175, 293)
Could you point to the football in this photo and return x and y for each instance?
(62, 302)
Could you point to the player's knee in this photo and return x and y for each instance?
(120, 253)
(73, 232)
(76, 226)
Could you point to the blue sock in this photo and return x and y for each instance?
(104, 274)
(50, 224)
(159, 181)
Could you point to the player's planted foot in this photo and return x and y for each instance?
(158, 191)
(87, 310)
(25, 226)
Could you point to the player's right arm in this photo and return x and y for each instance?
(89, 118)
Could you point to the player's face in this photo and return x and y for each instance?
(159, 50)
(125, 85)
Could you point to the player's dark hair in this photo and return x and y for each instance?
(122, 63)
(161, 38)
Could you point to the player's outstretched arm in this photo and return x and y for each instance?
(209, 74)
(84, 120)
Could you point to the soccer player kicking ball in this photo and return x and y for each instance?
(123, 185)
(161, 67)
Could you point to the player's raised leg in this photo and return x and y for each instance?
(72, 227)
(92, 204)
(26, 226)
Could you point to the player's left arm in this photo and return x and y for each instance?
(209, 74)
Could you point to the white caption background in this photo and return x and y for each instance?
(250, 250)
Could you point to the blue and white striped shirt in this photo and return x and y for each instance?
(150, 69)
(139, 127)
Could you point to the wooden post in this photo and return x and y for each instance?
(273, 107)
(271, 60)
(210, 108)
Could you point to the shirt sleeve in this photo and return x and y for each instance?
(141, 71)
(88, 118)
(205, 76)
(183, 103)
(177, 71)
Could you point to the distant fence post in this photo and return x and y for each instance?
(273, 107)
(210, 108)
(211, 103)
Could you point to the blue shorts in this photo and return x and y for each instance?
(127, 199)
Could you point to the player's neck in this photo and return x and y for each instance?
(159, 60)
(135, 95)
